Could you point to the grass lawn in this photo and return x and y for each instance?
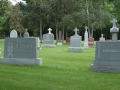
(61, 70)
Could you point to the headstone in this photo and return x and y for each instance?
(60, 38)
(114, 30)
(21, 51)
(101, 38)
(26, 34)
(91, 41)
(67, 40)
(86, 38)
(107, 56)
(38, 43)
(75, 43)
(50, 30)
(13, 34)
(48, 39)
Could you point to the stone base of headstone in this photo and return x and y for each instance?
(21, 61)
(103, 68)
(59, 43)
(48, 45)
(86, 45)
(107, 57)
(75, 49)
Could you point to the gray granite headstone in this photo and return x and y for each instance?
(107, 56)
(26, 34)
(21, 51)
(13, 34)
(75, 42)
(48, 39)
(114, 30)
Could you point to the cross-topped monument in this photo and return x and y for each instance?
(26, 34)
(86, 28)
(101, 35)
(114, 21)
(49, 30)
(114, 30)
(76, 31)
(26, 30)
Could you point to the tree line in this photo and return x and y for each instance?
(60, 15)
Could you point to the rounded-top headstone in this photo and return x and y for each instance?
(14, 34)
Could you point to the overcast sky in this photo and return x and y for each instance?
(15, 1)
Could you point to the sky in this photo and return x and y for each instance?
(15, 1)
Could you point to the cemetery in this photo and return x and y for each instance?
(59, 45)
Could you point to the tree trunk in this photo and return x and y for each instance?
(63, 35)
(88, 21)
(66, 34)
(56, 25)
(41, 30)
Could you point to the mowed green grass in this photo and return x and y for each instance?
(61, 70)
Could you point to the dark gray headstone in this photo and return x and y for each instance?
(75, 42)
(107, 57)
(21, 51)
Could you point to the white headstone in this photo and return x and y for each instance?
(76, 30)
(14, 34)
(114, 21)
(50, 30)
(86, 38)
(101, 38)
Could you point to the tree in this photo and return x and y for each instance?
(36, 14)
(97, 16)
(15, 19)
(5, 8)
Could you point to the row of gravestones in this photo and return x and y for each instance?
(23, 51)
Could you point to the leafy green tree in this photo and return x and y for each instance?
(15, 19)
(5, 8)
(36, 14)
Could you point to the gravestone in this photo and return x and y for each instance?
(48, 39)
(86, 38)
(107, 56)
(21, 51)
(38, 43)
(101, 38)
(59, 38)
(114, 30)
(75, 43)
(13, 34)
(91, 41)
(67, 40)
(26, 34)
